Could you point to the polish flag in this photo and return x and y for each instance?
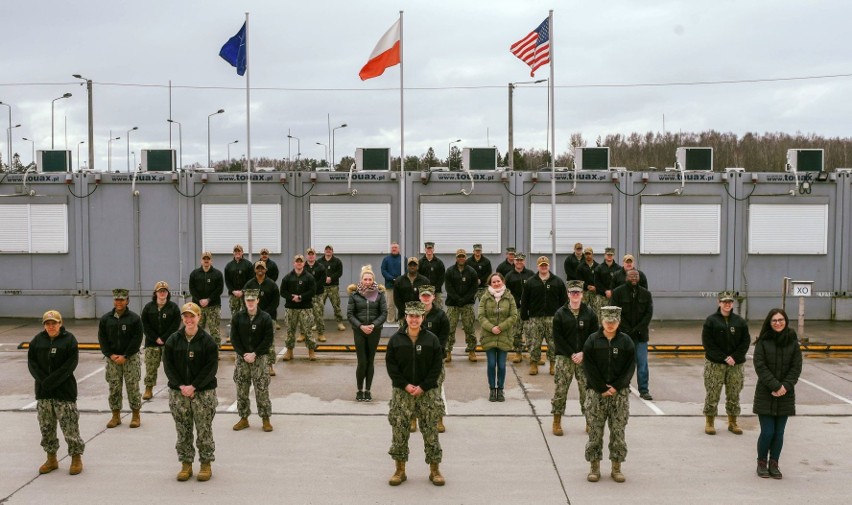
(385, 54)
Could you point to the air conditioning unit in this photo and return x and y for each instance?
(480, 158)
(695, 159)
(373, 158)
(591, 158)
(158, 160)
(805, 160)
(53, 161)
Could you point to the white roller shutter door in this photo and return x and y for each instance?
(681, 228)
(224, 225)
(589, 223)
(34, 228)
(351, 228)
(454, 226)
(787, 229)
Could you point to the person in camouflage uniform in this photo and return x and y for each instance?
(436, 321)
(317, 271)
(431, 267)
(414, 361)
(333, 273)
(238, 271)
(160, 318)
(572, 325)
(191, 360)
(251, 335)
(120, 336)
(543, 294)
(461, 283)
(726, 340)
(515, 280)
(52, 357)
(586, 273)
(269, 297)
(206, 285)
(298, 289)
(609, 363)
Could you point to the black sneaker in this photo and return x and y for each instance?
(368, 397)
(646, 396)
(359, 396)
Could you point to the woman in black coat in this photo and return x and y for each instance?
(778, 363)
(367, 312)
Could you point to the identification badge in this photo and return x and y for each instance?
(429, 325)
(418, 348)
(300, 283)
(253, 327)
(164, 316)
(124, 327)
(733, 330)
(191, 354)
(615, 351)
(53, 350)
(582, 323)
(208, 281)
(464, 279)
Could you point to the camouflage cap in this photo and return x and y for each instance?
(428, 244)
(510, 249)
(190, 308)
(477, 247)
(299, 258)
(51, 315)
(329, 248)
(611, 313)
(120, 294)
(520, 256)
(609, 250)
(461, 253)
(575, 285)
(251, 294)
(726, 296)
(542, 260)
(414, 260)
(238, 247)
(264, 251)
(260, 263)
(427, 289)
(207, 255)
(310, 250)
(415, 308)
(161, 285)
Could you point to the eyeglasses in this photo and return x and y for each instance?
(777, 321)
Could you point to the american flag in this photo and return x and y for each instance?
(534, 49)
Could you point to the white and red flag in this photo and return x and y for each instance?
(385, 54)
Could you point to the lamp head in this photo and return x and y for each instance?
(66, 95)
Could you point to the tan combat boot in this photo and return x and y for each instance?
(557, 425)
(341, 327)
(267, 426)
(312, 355)
(541, 361)
(115, 420)
(50, 464)
(594, 472)
(732, 426)
(435, 475)
(413, 426)
(321, 338)
(552, 369)
(76, 464)
(301, 337)
(441, 427)
(399, 476)
(149, 393)
(517, 358)
(471, 356)
(242, 424)
(533, 368)
(185, 472)
(205, 472)
(708, 425)
(272, 371)
(449, 357)
(288, 355)
(135, 421)
(616, 474)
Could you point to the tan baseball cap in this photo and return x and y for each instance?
(191, 308)
(161, 285)
(542, 260)
(51, 315)
(207, 255)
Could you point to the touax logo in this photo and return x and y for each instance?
(689, 177)
(583, 177)
(34, 178)
(244, 177)
(464, 177)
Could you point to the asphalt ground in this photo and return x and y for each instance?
(328, 448)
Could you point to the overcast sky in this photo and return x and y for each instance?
(305, 58)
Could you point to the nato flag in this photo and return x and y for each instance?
(234, 51)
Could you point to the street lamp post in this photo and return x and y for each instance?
(66, 95)
(450, 152)
(78, 154)
(9, 134)
(32, 147)
(109, 151)
(128, 149)
(298, 148)
(134, 161)
(90, 121)
(344, 125)
(220, 111)
(180, 141)
(512, 121)
(326, 151)
(229, 150)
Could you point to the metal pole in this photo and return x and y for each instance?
(220, 111)
(511, 131)
(128, 147)
(9, 135)
(78, 154)
(802, 336)
(248, 140)
(66, 95)
(551, 85)
(91, 127)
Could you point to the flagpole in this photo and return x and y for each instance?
(248, 140)
(551, 86)
(401, 143)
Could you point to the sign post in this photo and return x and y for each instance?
(802, 289)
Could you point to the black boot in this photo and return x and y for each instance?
(762, 470)
(774, 471)
(500, 397)
(493, 396)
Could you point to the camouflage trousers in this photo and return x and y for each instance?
(153, 357)
(332, 293)
(426, 408)
(441, 404)
(479, 293)
(566, 371)
(602, 409)
(715, 376)
(130, 373)
(437, 302)
(300, 319)
(319, 316)
(256, 374)
(196, 412)
(539, 329)
(65, 413)
(518, 344)
(465, 313)
(211, 319)
(235, 304)
(600, 301)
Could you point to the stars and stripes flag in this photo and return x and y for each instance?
(534, 49)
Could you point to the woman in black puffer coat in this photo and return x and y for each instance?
(367, 312)
(778, 363)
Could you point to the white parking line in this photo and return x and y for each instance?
(647, 403)
(33, 404)
(841, 398)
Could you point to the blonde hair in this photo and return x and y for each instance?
(367, 269)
